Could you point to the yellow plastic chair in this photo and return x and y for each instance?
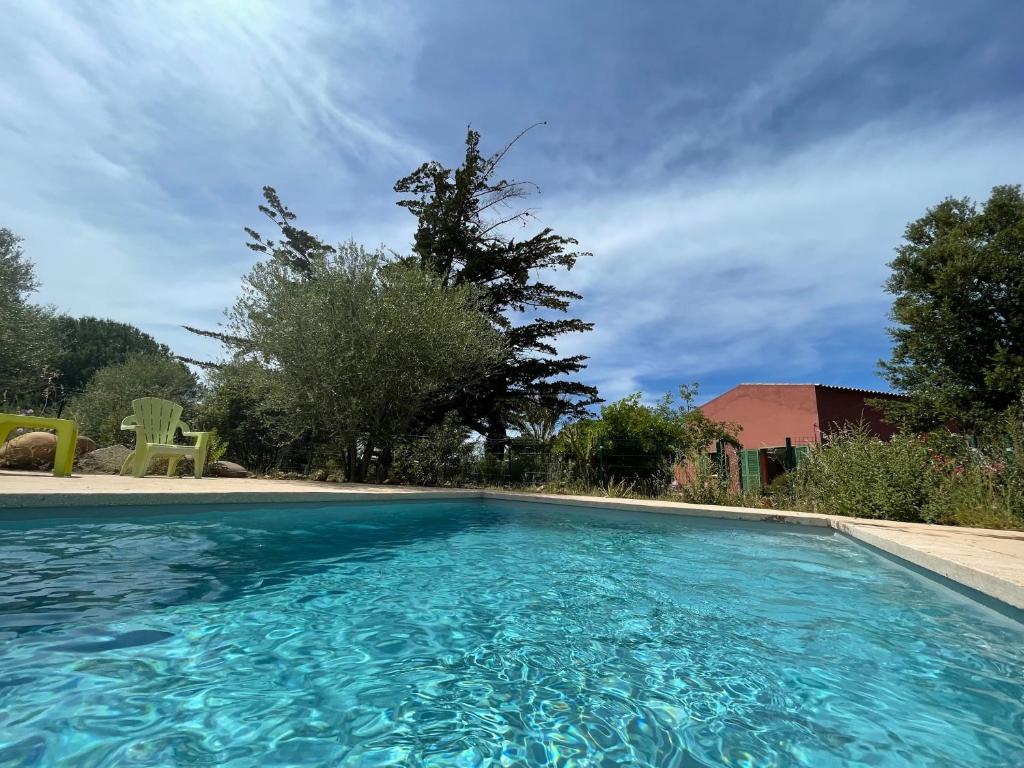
(155, 422)
(67, 437)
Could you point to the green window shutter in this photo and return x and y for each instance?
(750, 470)
(801, 452)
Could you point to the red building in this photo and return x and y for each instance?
(775, 420)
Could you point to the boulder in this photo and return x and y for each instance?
(103, 461)
(84, 445)
(32, 450)
(226, 469)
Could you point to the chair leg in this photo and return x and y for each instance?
(128, 462)
(141, 461)
(172, 465)
(199, 460)
(64, 457)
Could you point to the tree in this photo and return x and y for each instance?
(236, 403)
(351, 347)
(958, 342)
(26, 334)
(108, 396)
(297, 251)
(635, 441)
(463, 215)
(91, 343)
(644, 441)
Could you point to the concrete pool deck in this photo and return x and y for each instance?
(988, 561)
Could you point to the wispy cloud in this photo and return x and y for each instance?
(741, 178)
(759, 271)
(134, 138)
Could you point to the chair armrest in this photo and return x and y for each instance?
(194, 434)
(130, 422)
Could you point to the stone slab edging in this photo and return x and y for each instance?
(870, 532)
(988, 584)
(667, 508)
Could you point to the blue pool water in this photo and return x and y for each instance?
(487, 634)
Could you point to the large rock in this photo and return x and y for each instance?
(32, 450)
(226, 469)
(36, 450)
(84, 445)
(103, 461)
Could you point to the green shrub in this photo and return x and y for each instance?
(857, 474)
(235, 405)
(441, 457)
(108, 396)
(981, 485)
(934, 478)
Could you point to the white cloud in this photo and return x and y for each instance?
(134, 139)
(764, 264)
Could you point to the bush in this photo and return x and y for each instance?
(108, 396)
(636, 443)
(441, 457)
(932, 478)
(856, 474)
(234, 404)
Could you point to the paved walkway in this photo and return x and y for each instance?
(991, 562)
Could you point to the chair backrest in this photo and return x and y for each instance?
(157, 419)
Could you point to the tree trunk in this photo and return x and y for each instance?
(387, 457)
(496, 437)
(364, 464)
(351, 461)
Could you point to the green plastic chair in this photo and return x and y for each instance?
(67, 437)
(155, 422)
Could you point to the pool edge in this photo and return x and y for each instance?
(876, 534)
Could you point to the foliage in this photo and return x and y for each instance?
(461, 236)
(859, 475)
(26, 338)
(958, 345)
(537, 421)
(350, 348)
(441, 457)
(935, 478)
(701, 483)
(235, 404)
(91, 343)
(217, 448)
(635, 442)
(576, 449)
(108, 396)
(981, 486)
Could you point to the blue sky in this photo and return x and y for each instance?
(741, 171)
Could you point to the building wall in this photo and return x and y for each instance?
(837, 407)
(768, 413)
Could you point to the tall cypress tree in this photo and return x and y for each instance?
(463, 216)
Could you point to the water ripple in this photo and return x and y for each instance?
(500, 635)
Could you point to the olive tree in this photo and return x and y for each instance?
(352, 347)
(27, 346)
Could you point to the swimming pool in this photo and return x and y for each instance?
(466, 633)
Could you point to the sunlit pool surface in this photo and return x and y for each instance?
(479, 633)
